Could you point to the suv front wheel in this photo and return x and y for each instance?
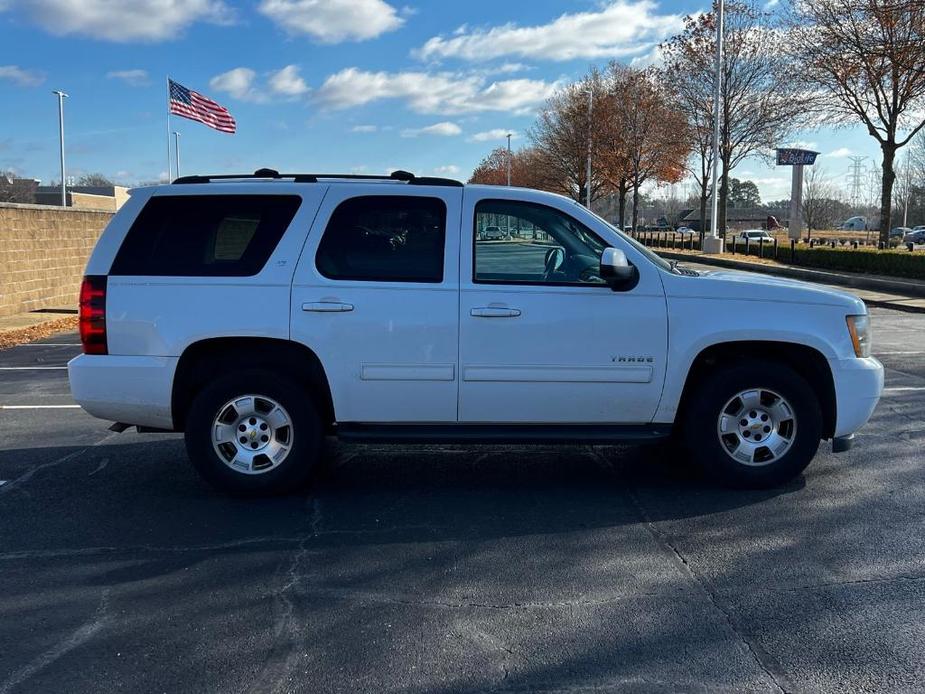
(753, 424)
(251, 432)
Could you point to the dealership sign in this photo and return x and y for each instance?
(795, 157)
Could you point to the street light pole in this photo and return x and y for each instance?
(714, 244)
(509, 160)
(590, 130)
(61, 97)
(176, 149)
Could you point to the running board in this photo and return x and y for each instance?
(559, 434)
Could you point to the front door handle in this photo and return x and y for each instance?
(326, 307)
(494, 312)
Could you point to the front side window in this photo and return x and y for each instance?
(384, 238)
(205, 235)
(526, 243)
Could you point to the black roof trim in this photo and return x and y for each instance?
(404, 176)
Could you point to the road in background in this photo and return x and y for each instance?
(456, 568)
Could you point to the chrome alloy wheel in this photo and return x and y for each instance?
(757, 427)
(252, 434)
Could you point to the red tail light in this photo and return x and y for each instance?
(93, 314)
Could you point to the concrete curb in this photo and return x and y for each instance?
(904, 287)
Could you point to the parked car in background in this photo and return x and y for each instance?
(755, 236)
(685, 230)
(915, 236)
(899, 232)
(853, 224)
(492, 233)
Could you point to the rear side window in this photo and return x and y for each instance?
(207, 235)
(386, 238)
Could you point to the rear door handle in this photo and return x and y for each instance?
(326, 307)
(494, 312)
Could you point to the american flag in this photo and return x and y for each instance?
(193, 105)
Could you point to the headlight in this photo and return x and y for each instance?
(859, 329)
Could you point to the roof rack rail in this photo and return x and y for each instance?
(404, 176)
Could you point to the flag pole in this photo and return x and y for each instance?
(168, 128)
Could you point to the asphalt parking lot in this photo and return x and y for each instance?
(456, 569)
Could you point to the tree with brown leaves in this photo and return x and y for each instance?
(866, 61)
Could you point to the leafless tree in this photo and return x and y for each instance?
(866, 61)
(819, 201)
(759, 96)
(14, 189)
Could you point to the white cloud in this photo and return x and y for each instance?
(619, 28)
(445, 129)
(21, 76)
(133, 78)
(443, 92)
(840, 152)
(333, 21)
(450, 169)
(498, 134)
(127, 20)
(287, 82)
(364, 128)
(239, 83)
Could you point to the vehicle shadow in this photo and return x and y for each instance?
(148, 496)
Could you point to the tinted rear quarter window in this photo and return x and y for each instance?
(205, 235)
(385, 238)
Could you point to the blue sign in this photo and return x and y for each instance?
(795, 157)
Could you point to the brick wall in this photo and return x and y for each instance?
(43, 252)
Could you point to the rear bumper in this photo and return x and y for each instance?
(858, 384)
(134, 390)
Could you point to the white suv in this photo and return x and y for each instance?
(259, 313)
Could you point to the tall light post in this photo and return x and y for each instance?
(713, 243)
(509, 160)
(176, 150)
(61, 97)
(590, 130)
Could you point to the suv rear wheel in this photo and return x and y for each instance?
(251, 432)
(754, 424)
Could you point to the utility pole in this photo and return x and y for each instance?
(713, 243)
(590, 131)
(176, 150)
(61, 98)
(509, 160)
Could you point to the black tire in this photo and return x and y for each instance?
(703, 409)
(306, 431)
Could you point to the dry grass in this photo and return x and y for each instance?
(11, 338)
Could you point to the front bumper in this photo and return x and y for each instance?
(858, 385)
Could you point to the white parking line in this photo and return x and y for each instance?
(38, 407)
(49, 344)
(33, 368)
(904, 389)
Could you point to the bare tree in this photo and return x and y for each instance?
(759, 97)
(693, 91)
(15, 189)
(866, 60)
(819, 203)
(94, 180)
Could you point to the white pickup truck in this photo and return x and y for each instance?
(259, 313)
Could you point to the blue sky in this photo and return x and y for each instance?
(319, 85)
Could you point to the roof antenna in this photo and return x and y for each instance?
(266, 173)
(402, 175)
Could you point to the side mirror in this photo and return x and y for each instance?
(616, 269)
